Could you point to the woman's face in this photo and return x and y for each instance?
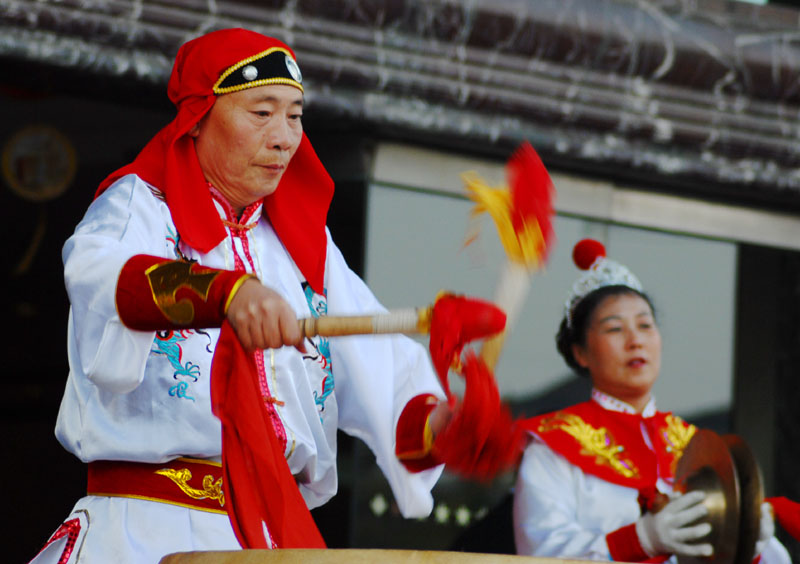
(622, 350)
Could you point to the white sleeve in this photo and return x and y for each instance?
(124, 221)
(559, 511)
(376, 377)
(775, 553)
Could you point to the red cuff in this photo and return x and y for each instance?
(155, 293)
(624, 546)
(414, 438)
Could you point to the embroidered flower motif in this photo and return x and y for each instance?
(594, 442)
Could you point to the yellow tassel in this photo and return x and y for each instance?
(525, 246)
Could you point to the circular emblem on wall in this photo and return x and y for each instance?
(293, 69)
(39, 163)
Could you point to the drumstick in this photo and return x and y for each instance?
(411, 320)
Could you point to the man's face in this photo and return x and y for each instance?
(247, 139)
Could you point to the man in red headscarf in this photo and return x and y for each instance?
(220, 222)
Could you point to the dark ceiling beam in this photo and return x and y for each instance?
(700, 97)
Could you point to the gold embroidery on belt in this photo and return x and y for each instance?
(211, 489)
(169, 277)
(594, 442)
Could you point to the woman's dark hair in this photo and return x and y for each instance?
(576, 334)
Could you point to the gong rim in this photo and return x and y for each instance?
(751, 492)
(707, 465)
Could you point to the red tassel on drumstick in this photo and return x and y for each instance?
(482, 439)
(452, 321)
(522, 213)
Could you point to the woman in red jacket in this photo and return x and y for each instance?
(592, 473)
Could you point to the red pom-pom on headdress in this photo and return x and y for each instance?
(586, 251)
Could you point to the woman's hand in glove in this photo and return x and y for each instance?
(766, 529)
(672, 529)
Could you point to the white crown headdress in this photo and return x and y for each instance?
(590, 255)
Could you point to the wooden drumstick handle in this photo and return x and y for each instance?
(512, 289)
(491, 349)
(397, 321)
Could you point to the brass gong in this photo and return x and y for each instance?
(751, 496)
(724, 468)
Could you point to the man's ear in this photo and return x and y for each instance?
(195, 130)
(579, 354)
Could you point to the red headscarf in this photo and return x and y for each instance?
(298, 209)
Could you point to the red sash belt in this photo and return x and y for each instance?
(187, 482)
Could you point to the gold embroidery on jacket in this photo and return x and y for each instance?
(594, 442)
(677, 434)
(211, 489)
(169, 277)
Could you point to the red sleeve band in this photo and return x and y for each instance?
(624, 546)
(155, 293)
(414, 438)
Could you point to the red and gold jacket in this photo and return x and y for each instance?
(612, 446)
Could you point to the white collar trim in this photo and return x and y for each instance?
(613, 404)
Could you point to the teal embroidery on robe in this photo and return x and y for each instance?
(318, 306)
(168, 344)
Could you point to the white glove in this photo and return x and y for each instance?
(666, 532)
(767, 528)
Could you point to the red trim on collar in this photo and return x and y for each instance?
(609, 444)
(247, 215)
